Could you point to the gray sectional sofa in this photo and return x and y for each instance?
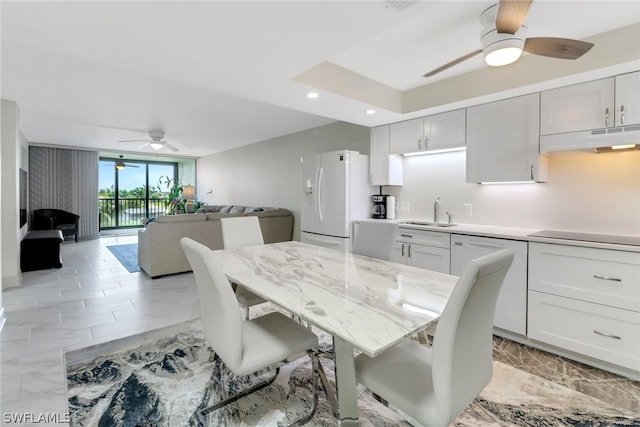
(159, 250)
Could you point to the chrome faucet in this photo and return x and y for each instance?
(436, 211)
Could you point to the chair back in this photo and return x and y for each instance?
(462, 354)
(375, 239)
(241, 231)
(221, 318)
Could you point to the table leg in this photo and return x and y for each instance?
(347, 395)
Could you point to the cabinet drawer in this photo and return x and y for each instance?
(601, 276)
(601, 332)
(423, 237)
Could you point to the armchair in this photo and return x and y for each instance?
(56, 219)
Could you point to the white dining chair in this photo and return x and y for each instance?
(434, 385)
(375, 239)
(237, 232)
(245, 346)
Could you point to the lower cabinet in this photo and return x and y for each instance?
(424, 249)
(586, 300)
(595, 330)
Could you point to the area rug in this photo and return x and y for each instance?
(127, 255)
(163, 377)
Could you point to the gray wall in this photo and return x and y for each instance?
(268, 173)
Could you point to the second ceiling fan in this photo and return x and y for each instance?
(157, 141)
(504, 38)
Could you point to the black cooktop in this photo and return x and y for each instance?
(589, 237)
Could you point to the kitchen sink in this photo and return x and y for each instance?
(428, 224)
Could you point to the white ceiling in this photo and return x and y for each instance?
(219, 74)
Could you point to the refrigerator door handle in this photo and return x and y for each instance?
(318, 195)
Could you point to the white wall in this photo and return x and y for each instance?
(268, 173)
(598, 193)
(11, 148)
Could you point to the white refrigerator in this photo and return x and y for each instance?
(335, 191)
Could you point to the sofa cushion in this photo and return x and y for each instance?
(225, 208)
(180, 218)
(250, 209)
(269, 212)
(208, 208)
(237, 209)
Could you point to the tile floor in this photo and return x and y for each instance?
(93, 299)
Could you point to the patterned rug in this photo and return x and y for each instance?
(163, 377)
(127, 255)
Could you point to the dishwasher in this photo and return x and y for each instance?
(511, 308)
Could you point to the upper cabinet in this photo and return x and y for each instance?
(502, 141)
(384, 168)
(605, 103)
(595, 114)
(627, 99)
(438, 132)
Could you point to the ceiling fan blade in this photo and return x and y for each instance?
(131, 166)
(452, 63)
(134, 140)
(171, 147)
(511, 15)
(557, 47)
(145, 144)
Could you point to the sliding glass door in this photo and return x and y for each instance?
(132, 190)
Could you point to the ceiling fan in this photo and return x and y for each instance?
(120, 164)
(157, 141)
(504, 37)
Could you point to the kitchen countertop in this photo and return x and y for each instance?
(513, 233)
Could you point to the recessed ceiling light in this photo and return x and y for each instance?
(312, 95)
(370, 111)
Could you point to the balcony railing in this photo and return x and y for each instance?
(129, 212)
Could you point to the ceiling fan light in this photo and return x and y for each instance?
(502, 56)
(156, 145)
(120, 165)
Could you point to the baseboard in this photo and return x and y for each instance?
(11, 281)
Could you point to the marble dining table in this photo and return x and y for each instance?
(365, 304)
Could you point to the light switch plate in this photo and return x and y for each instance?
(467, 209)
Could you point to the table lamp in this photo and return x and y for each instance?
(189, 194)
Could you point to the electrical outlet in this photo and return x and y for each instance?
(404, 207)
(467, 209)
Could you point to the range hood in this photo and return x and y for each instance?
(594, 139)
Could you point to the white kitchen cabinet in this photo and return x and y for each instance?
(605, 103)
(502, 141)
(586, 300)
(445, 131)
(384, 168)
(406, 137)
(627, 99)
(442, 131)
(577, 107)
(424, 249)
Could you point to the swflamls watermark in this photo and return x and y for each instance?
(35, 418)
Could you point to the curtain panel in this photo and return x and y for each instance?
(65, 179)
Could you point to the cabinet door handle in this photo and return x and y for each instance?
(622, 114)
(407, 235)
(613, 279)
(409, 250)
(604, 334)
(531, 171)
(419, 143)
(403, 249)
(371, 179)
(426, 142)
(606, 116)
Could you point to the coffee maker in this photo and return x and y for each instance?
(379, 206)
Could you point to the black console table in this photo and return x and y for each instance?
(40, 249)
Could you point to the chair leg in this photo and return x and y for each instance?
(231, 399)
(302, 420)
